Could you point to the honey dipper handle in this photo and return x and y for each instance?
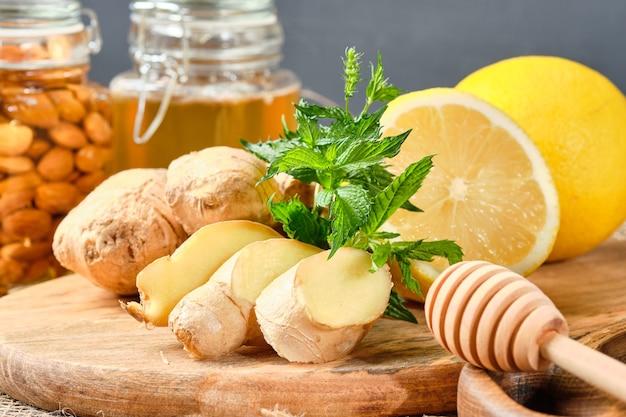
(599, 370)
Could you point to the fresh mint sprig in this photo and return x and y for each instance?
(344, 156)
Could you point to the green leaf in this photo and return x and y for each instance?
(378, 88)
(405, 252)
(316, 112)
(308, 129)
(324, 198)
(366, 153)
(355, 193)
(301, 158)
(397, 310)
(380, 235)
(407, 276)
(368, 125)
(268, 151)
(374, 178)
(398, 192)
(348, 212)
(300, 223)
(380, 255)
(425, 250)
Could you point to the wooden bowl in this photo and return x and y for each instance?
(533, 394)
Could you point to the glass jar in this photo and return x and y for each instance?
(206, 73)
(55, 132)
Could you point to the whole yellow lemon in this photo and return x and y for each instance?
(577, 118)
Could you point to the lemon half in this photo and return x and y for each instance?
(577, 118)
(490, 189)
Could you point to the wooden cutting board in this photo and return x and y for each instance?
(66, 344)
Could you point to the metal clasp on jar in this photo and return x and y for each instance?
(174, 73)
(159, 64)
(93, 29)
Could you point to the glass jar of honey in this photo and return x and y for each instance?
(206, 73)
(55, 132)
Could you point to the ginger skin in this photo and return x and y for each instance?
(217, 184)
(118, 229)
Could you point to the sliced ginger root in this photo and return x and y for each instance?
(218, 317)
(166, 280)
(320, 309)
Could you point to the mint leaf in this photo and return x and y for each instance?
(398, 192)
(348, 212)
(308, 128)
(344, 156)
(315, 112)
(406, 252)
(300, 223)
(422, 250)
(268, 151)
(378, 89)
(355, 156)
(301, 158)
(397, 309)
(407, 277)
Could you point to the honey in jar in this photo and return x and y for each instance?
(55, 131)
(206, 74)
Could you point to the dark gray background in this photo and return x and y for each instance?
(424, 43)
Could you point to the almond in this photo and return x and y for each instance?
(15, 138)
(73, 176)
(5, 238)
(103, 103)
(57, 197)
(25, 251)
(38, 148)
(34, 109)
(68, 135)
(56, 164)
(10, 272)
(16, 164)
(25, 51)
(29, 223)
(26, 181)
(12, 53)
(92, 158)
(68, 106)
(86, 183)
(98, 129)
(11, 201)
(84, 94)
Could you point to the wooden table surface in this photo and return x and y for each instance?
(566, 304)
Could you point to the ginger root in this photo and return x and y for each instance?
(167, 279)
(118, 229)
(218, 317)
(320, 309)
(293, 188)
(217, 184)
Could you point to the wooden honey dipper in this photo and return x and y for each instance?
(496, 319)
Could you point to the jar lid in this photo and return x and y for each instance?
(205, 35)
(215, 6)
(46, 33)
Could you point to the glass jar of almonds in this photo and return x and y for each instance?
(206, 73)
(55, 131)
